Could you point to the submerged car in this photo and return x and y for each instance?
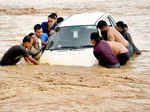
(70, 45)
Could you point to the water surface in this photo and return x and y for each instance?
(45, 88)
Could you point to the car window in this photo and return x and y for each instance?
(71, 37)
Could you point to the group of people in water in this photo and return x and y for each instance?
(113, 48)
(33, 44)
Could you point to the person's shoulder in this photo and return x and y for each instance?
(17, 47)
(110, 27)
(44, 23)
(115, 30)
(100, 44)
(21, 47)
(128, 33)
(103, 42)
(112, 31)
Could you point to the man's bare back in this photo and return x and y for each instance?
(114, 35)
(117, 47)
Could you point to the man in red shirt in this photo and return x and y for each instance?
(103, 52)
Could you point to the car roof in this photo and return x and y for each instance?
(83, 19)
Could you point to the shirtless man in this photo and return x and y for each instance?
(120, 51)
(111, 34)
(36, 50)
(35, 40)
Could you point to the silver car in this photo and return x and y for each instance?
(70, 45)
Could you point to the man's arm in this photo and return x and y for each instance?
(44, 43)
(29, 59)
(137, 51)
(111, 36)
(36, 44)
(44, 39)
(120, 38)
(51, 32)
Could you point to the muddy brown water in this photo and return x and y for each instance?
(45, 88)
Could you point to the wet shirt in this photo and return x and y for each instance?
(44, 37)
(128, 37)
(124, 34)
(104, 54)
(132, 43)
(104, 35)
(13, 55)
(45, 28)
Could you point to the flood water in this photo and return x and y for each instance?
(45, 88)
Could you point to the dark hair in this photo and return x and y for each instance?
(95, 36)
(60, 19)
(27, 39)
(125, 26)
(31, 34)
(120, 24)
(53, 16)
(37, 27)
(101, 24)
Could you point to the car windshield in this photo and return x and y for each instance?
(71, 37)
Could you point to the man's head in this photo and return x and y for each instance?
(56, 17)
(60, 19)
(102, 25)
(54, 14)
(120, 26)
(27, 41)
(52, 19)
(32, 35)
(125, 27)
(95, 38)
(38, 30)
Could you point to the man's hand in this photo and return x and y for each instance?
(29, 59)
(138, 52)
(51, 32)
(44, 43)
